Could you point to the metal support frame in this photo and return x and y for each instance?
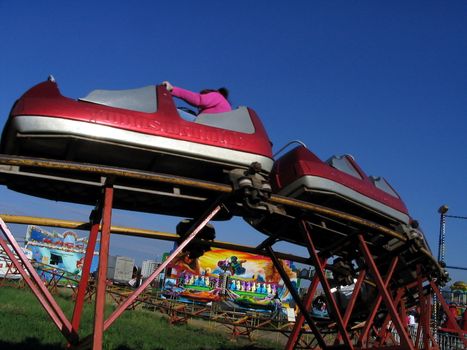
(351, 304)
(11, 271)
(34, 282)
(325, 283)
(70, 329)
(395, 304)
(405, 339)
(425, 309)
(98, 333)
(450, 317)
(101, 324)
(194, 230)
(308, 300)
(369, 321)
(52, 284)
(296, 297)
(83, 285)
(383, 332)
(387, 293)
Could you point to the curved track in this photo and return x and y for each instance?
(166, 194)
(395, 261)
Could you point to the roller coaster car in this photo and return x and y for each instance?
(138, 129)
(132, 131)
(340, 184)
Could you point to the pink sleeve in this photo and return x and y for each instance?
(195, 99)
(192, 98)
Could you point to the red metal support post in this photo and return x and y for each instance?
(428, 312)
(385, 329)
(405, 340)
(303, 310)
(196, 228)
(34, 282)
(83, 284)
(102, 271)
(37, 292)
(369, 322)
(449, 315)
(425, 315)
(403, 315)
(325, 284)
(294, 335)
(351, 304)
(353, 299)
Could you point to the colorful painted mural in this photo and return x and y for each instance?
(58, 251)
(247, 280)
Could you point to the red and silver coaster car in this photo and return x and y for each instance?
(338, 183)
(138, 129)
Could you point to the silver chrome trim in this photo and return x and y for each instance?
(319, 183)
(40, 124)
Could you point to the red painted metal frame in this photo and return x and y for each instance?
(52, 284)
(308, 300)
(350, 307)
(396, 306)
(385, 330)
(11, 270)
(325, 284)
(33, 280)
(403, 315)
(102, 271)
(195, 229)
(369, 322)
(83, 285)
(71, 329)
(449, 315)
(296, 297)
(424, 309)
(405, 339)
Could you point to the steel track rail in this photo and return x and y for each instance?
(216, 188)
(134, 232)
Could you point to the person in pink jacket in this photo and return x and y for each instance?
(207, 101)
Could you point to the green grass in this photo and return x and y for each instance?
(24, 324)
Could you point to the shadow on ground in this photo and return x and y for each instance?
(34, 344)
(247, 347)
(28, 344)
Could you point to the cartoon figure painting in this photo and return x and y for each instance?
(243, 272)
(186, 265)
(233, 265)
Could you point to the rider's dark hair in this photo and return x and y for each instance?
(223, 91)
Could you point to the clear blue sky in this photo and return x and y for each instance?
(385, 81)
